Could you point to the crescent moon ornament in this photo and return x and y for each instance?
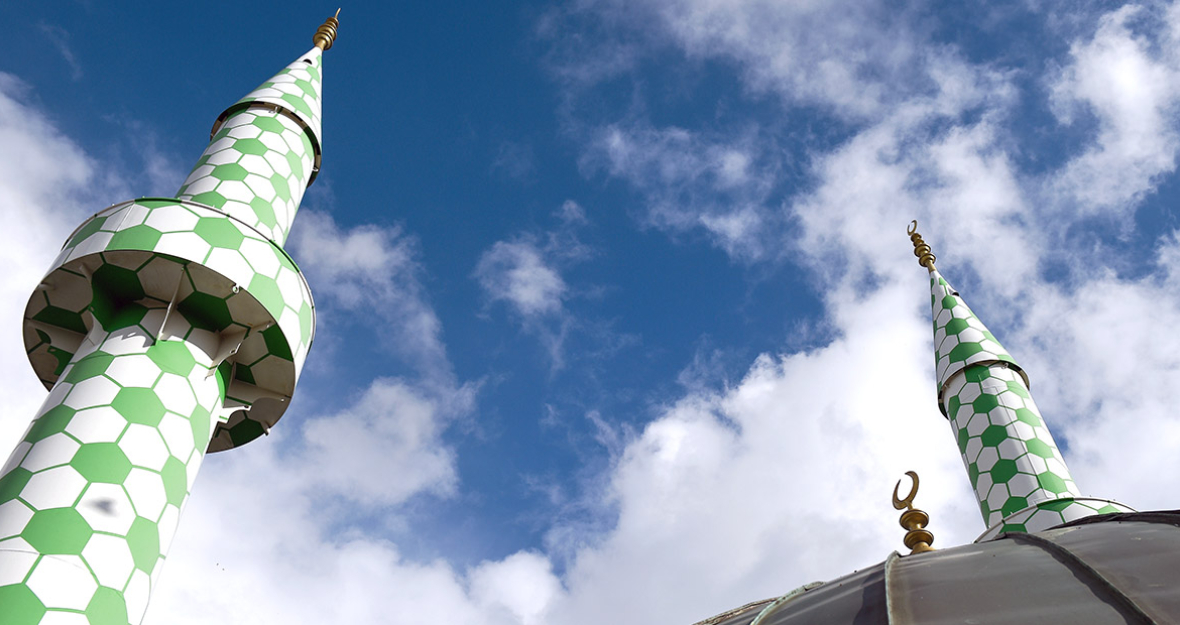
(917, 538)
(908, 502)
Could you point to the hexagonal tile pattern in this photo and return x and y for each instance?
(160, 326)
(1018, 475)
(1002, 444)
(226, 278)
(101, 510)
(256, 170)
(295, 89)
(960, 338)
(1037, 517)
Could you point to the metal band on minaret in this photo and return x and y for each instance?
(1016, 470)
(167, 328)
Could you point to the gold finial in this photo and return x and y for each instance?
(326, 33)
(918, 538)
(921, 250)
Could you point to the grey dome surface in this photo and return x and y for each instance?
(1100, 570)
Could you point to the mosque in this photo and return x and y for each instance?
(171, 327)
(1048, 555)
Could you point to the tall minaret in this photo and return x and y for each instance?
(1016, 470)
(167, 327)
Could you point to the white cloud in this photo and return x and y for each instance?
(525, 272)
(1132, 87)
(273, 531)
(855, 59)
(959, 184)
(745, 493)
(850, 56)
(690, 182)
(373, 272)
(1106, 367)
(515, 272)
(572, 213)
(371, 275)
(858, 67)
(515, 160)
(46, 186)
(517, 589)
(392, 430)
(265, 551)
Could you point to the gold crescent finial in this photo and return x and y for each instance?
(925, 257)
(908, 502)
(326, 33)
(917, 537)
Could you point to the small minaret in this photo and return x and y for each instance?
(167, 327)
(1015, 468)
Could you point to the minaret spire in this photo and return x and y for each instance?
(326, 33)
(1016, 470)
(166, 328)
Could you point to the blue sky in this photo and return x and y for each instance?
(617, 319)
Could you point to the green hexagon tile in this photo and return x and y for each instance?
(167, 328)
(1016, 470)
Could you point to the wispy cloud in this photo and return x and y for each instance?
(690, 182)
(1128, 78)
(515, 160)
(374, 271)
(60, 39)
(524, 272)
(515, 272)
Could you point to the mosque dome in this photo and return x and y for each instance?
(1098, 570)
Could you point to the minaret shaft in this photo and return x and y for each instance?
(93, 494)
(1016, 470)
(1010, 456)
(264, 151)
(255, 170)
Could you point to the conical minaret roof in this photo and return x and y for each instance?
(265, 149)
(960, 338)
(296, 92)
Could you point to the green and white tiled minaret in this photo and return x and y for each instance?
(1016, 470)
(167, 328)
